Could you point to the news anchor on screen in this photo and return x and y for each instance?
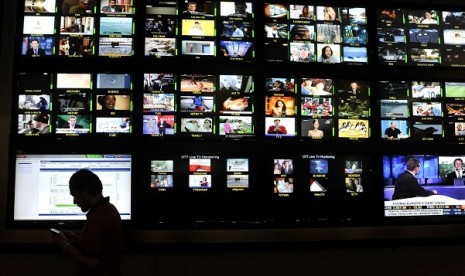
(191, 9)
(407, 185)
(112, 7)
(457, 172)
(35, 50)
(72, 123)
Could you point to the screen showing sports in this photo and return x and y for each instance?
(49, 199)
(420, 110)
(308, 33)
(427, 37)
(423, 185)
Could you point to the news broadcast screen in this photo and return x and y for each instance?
(423, 185)
(64, 28)
(49, 198)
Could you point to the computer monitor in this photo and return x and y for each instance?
(41, 191)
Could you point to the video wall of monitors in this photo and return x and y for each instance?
(226, 30)
(311, 186)
(106, 28)
(221, 117)
(75, 28)
(198, 105)
(74, 104)
(316, 108)
(223, 30)
(313, 33)
(421, 37)
(422, 110)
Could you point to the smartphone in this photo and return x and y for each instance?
(55, 231)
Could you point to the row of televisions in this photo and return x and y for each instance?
(199, 29)
(168, 185)
(226, 30)
(228, 106)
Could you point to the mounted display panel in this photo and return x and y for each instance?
(422, 110)
(41, 185)
(427, 37)
(198, 106)
(203, 189)
(317, 108)
(313, 33)
(314, 188)
(206, 97)
(74, 104)
(436, 190)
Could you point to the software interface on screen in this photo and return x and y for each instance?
(42, 191)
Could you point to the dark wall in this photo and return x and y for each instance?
(7, 31)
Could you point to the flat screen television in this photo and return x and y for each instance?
(197, 188)
(437, 173)
(309, 33)
(41, 191)
(427, 37)
(310, 188)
